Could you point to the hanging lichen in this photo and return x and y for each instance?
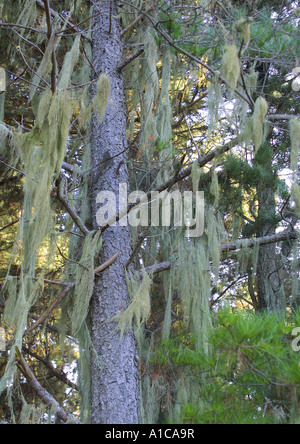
(168, 316)
(244, 27)
(69, 64)
(139, 309)
(244, 255)
(214, 101)
(255, 255)
(31, 414)
(192, 275)
(45, 66)
(99, 103)
(231, 66)
(296, 197)
(258, 120)
(149, 83)
(236, 228)
(295, 142)
(196, 173)
(4, 134)
(214, 188)
(163, 123)
(214, 240)
(84, 284)
(252, 79)
(102, 96)
(28, 14)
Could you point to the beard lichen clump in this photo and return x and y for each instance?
(244, 27)
(231, 66)
(296, 197)
(258, 120)
(101, 100)
(295, 142)
(139, 310)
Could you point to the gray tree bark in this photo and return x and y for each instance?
(115, 378)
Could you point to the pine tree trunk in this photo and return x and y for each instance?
(115, 378)
(269, 270)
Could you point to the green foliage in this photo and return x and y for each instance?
(250, 374)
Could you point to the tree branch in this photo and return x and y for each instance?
(59, 374)
(233, 246)
(277, 117)
(41, 392)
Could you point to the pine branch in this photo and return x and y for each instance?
(68, 167)
(278, 117)
(9, 225)
(41, 392)
(233, 246)
(155, 269)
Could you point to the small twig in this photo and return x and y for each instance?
(78, 24)
(193, 140)
(130, 59)
(17, 25)
(32, 70)
(108, 263)
(134, 23)
(25, 80)
(72, 212)
(9, 225)
(50, 31)
(13, 168)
